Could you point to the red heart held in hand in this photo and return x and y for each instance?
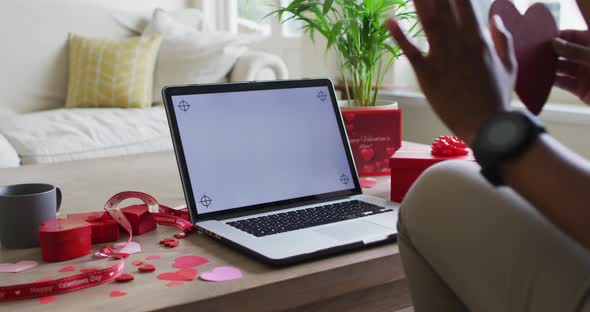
(533, 34)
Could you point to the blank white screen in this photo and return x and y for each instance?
(255, 147)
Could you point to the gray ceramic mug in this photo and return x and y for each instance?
(23, 208)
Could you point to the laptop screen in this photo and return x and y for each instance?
(247, 148)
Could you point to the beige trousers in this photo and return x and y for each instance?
(467, 246)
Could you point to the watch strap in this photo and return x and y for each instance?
(491, 162)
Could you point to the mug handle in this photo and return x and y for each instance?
(58, 197)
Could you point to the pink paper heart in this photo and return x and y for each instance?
(152, 258)
(188, 262)
(533, 34)
(221, 274)
(131, 248)
(17, 267)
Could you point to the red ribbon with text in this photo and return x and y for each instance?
(163, 216)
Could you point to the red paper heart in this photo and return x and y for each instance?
(180, 275)
(188, 262)
(147, 268)
(117, 293)
(367, 154)
(180, 235)
(172, 244)
(152, 258)
(166, 240)
(67, 269)
(47, 300)
(120, 255)
(123, 278)
(533, 34)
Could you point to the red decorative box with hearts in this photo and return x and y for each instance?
(411, 160)
(64, 239)
(140, 218)
(374, 134)
(104, 228)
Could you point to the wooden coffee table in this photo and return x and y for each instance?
(366, 280)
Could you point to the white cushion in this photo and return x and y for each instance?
(8, 155)
(188, 56)
(71, 134)
(137, 22)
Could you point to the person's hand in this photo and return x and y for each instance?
(573, 48)
(465, 80)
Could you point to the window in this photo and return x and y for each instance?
(566, 12)
(567, 15)
(252, 17)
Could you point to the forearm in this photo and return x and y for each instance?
(557, 182)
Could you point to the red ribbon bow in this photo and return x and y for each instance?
(449, 146)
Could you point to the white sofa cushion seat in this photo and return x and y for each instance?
(73, 134)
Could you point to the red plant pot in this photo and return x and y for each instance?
(375, 134)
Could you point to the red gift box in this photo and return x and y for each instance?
(64, 239)
(140, 218)
(104, 228)
(374, 134)
(409, 162)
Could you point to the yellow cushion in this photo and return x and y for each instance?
(112, 73)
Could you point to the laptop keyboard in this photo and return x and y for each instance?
(306, 218)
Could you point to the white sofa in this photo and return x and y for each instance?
(34, 126)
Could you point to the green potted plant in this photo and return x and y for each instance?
(356, 30)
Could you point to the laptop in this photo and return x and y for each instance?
(266, 167)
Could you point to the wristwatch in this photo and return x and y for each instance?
(506, 136)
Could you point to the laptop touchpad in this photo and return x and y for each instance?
(355, 231)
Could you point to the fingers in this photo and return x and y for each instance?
(504, 44)
(575, 36)
(567, 83)
(573, 52)
(410, 51)
(437, 19)
(467, 16)
(567, 68)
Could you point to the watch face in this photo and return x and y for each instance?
(505, 134)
